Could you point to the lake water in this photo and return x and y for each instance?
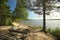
(49, 23)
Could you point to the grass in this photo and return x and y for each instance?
(55, 32)
(37, 27)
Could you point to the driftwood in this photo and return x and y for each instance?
(26, 31)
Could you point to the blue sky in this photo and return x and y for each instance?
(54, 14)
(12, 4)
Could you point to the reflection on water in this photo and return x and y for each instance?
(49, 23)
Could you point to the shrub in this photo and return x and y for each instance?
(55, 32)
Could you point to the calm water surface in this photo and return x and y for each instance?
(49, 23)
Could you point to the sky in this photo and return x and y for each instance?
(12, 4)
(53, 15)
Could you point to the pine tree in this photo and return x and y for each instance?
(47, 5)
(20, 11)
(4, 11)
(43, 7)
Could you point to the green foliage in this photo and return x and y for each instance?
(49, 30)
(58, 7)
(5, 17)
(47, 3)
(55, 32)
(37, 27)
(20, 12)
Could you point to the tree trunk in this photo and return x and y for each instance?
(44, 20)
